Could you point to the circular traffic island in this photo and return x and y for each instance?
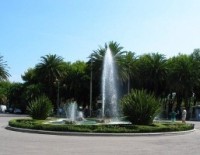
(44, 127)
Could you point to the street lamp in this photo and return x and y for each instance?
(58, 95)
(91, 76)
(127, 55)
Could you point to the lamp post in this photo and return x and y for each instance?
(127, 55)
(91, 76)
(58, 95)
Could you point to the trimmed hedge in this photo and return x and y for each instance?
(157, 127)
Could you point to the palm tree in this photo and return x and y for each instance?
(50, 68)
(3, 71)
(77, 82)
(51, 71)
(152, 71)
(127, 68)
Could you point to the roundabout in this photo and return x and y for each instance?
(28, 143)
(65, 133)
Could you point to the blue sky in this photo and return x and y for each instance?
(72, 29)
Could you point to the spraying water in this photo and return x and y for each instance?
(109, 87)
(71, 111)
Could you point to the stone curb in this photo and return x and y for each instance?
(12, 115)
(97, 134)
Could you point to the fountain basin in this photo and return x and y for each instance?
(63, 121)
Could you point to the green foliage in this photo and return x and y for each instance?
(16, 96)
(4, 74)
(50, 68)
(158, 127)
(76, 82)
(140, 107)
(151, 72)
(40, 108)
(183, 69)
(4, 91)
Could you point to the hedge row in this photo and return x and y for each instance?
(157, 127)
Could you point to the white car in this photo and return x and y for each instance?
(3, 108)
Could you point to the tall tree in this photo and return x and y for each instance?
(196, 72)
(50, 68)
(50, 72)
(15, 96)
(30, 76)
(182, 78)
(77, 82)
(127, 67)
(152, 71)
(4, 74)
(5, 86)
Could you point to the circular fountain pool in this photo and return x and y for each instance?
(91, 121)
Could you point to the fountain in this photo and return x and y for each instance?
(109, 87)
(110, 108)
(71, 111)
(73, 115)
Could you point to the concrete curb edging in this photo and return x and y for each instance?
(62, 133)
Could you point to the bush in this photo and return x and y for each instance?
(139, 107)
(40, 108)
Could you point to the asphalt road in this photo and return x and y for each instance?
(18, 143)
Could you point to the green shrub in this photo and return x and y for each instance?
(40, 108)
(139, 107)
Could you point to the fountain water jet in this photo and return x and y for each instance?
(71, 111)
(109, 87)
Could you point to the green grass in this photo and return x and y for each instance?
(156, 127)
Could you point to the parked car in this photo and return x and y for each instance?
(9, 110)
(17, 111)
(3, 108)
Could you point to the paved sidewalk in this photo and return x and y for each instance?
(17, 143)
